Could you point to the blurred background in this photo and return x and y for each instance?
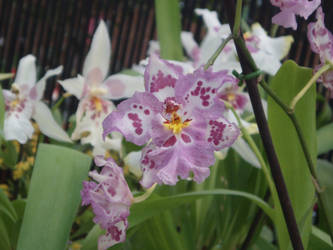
(58, 32)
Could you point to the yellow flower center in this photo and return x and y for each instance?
(14, 103)
(97, 103)
(176, 124)
(247, 35)
(231, 97)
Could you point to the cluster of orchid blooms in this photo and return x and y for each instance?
(176, 109)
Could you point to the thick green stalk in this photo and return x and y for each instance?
(238, 17)
(168, 29)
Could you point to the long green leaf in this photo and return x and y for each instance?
(158, 232)
(319, 240)
(325, 139)
(151, 207)
(53, 198)
(168, 29)
(6, 207)
(4, 237)
(289, 80)
(325, 176)
(2, 113)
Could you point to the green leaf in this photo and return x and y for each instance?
(144, 210)
(319, 240)
(159, 232)
(325, 139)
(289, 80)
(4, 237)
(53, 197)
(155, 205)
(90, 242)
(2, 110)
(6, 206)
(325, 177)
(168, 29)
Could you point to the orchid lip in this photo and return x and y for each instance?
(176, 125)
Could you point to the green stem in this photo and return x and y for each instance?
(59, 102)
(238, 17)
(217, 52)
(255, 149)
(274, 96)
(313, 80)
(146, 195)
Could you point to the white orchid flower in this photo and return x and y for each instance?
(266, 51)
(23, 102)
(94, 91)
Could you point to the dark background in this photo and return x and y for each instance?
(59, 32)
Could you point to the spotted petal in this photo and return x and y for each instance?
(165, 164)
(133, 117)
(161, 76)
(320, 38)
(200, 88)
(17, 125)
(114, 235)
(221, 133)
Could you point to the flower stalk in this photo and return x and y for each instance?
(217, 52)
(312, 81)
(146, 195)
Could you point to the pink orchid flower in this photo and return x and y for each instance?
(180, 116)
(95, 90)
(23, 102)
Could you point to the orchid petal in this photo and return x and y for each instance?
(100, 51)
(320, 38)
(117, 234)
(243, 149)
(153, 48)
(285, 18)
(47, 124)
(160, 77)
(210, 19)
(8, 95)
(26, 71)
(74, 86)
(17, 126)
(278, 47)
(261, 59)
(36, 93)
(123, 86)
(133, 116)
(164, 165)
(200, 88)
(132, 160)
(221, 133)
(191, 46)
